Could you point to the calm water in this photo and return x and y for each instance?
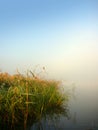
(83, 111)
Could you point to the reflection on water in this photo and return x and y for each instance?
(63, 125)
(83, 110)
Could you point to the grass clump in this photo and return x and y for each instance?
(26, 98)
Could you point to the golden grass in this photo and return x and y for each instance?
(25, 98)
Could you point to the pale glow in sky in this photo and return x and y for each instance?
(58, 34)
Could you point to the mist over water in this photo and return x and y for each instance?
(83, 105)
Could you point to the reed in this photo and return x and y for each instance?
(26, 98)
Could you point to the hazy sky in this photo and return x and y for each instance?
(61, 35)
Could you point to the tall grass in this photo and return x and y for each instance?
(26, 98)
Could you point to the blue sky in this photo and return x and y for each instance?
(58, 34)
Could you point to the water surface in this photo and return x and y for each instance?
(83, 112)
